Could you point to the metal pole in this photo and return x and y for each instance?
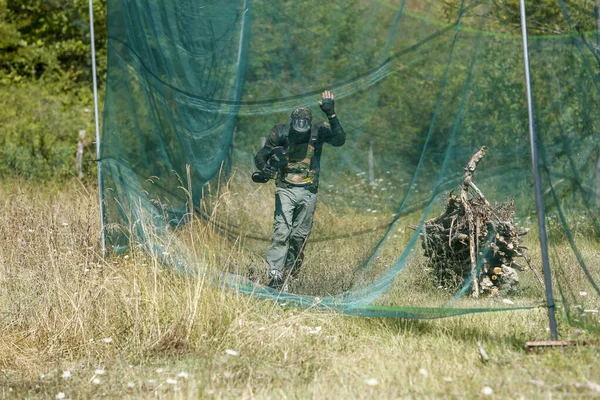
(96, 118)
(538, 179)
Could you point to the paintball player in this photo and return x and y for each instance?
(292, 156)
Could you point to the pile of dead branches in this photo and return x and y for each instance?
(473, 242)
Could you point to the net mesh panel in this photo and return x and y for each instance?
(420, 86)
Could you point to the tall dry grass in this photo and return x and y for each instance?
(76, 326)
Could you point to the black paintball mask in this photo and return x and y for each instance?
(301, 119)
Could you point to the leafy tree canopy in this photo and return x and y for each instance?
(49, 38)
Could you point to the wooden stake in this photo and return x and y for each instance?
(552, 344)
(79, 164)
(371, 172)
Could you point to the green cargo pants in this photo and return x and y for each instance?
(294, 211)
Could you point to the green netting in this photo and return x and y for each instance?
(420, 87)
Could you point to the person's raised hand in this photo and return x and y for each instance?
(327, 104)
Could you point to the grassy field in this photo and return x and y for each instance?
(76, 326)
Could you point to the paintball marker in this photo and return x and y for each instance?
(276, 161)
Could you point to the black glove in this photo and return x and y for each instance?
(269, 171)
(327, 105)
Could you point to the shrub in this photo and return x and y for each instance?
(39, 125)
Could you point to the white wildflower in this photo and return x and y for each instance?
(60, 395)
(507, 301)
(107, 340)
(99, 372)
(96, 381)
(232, 352)
(372, 382)
(66, 374)
(583, 293)
(183, 375)
(315, 331)
(448, 379)
(171, 381)
(487, 391)
(130, 385)
(424, 372)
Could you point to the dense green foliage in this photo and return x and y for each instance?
(45, 49)
(49, 38)
(39, 126)
(46, 85)
(544, 17)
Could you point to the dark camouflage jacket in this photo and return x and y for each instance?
(304, 158)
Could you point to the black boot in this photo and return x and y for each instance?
(276, 280)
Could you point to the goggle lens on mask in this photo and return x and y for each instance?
(301, 125)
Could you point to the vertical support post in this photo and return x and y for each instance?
(538, 180)
(596, 179)
(597, 17)
(96, 119)
(80, 154)
(371, 172)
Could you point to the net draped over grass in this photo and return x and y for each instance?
(419, 87)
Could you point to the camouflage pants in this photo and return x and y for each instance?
(294, 211)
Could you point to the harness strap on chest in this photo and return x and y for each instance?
(299, 173)
(314, 136)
